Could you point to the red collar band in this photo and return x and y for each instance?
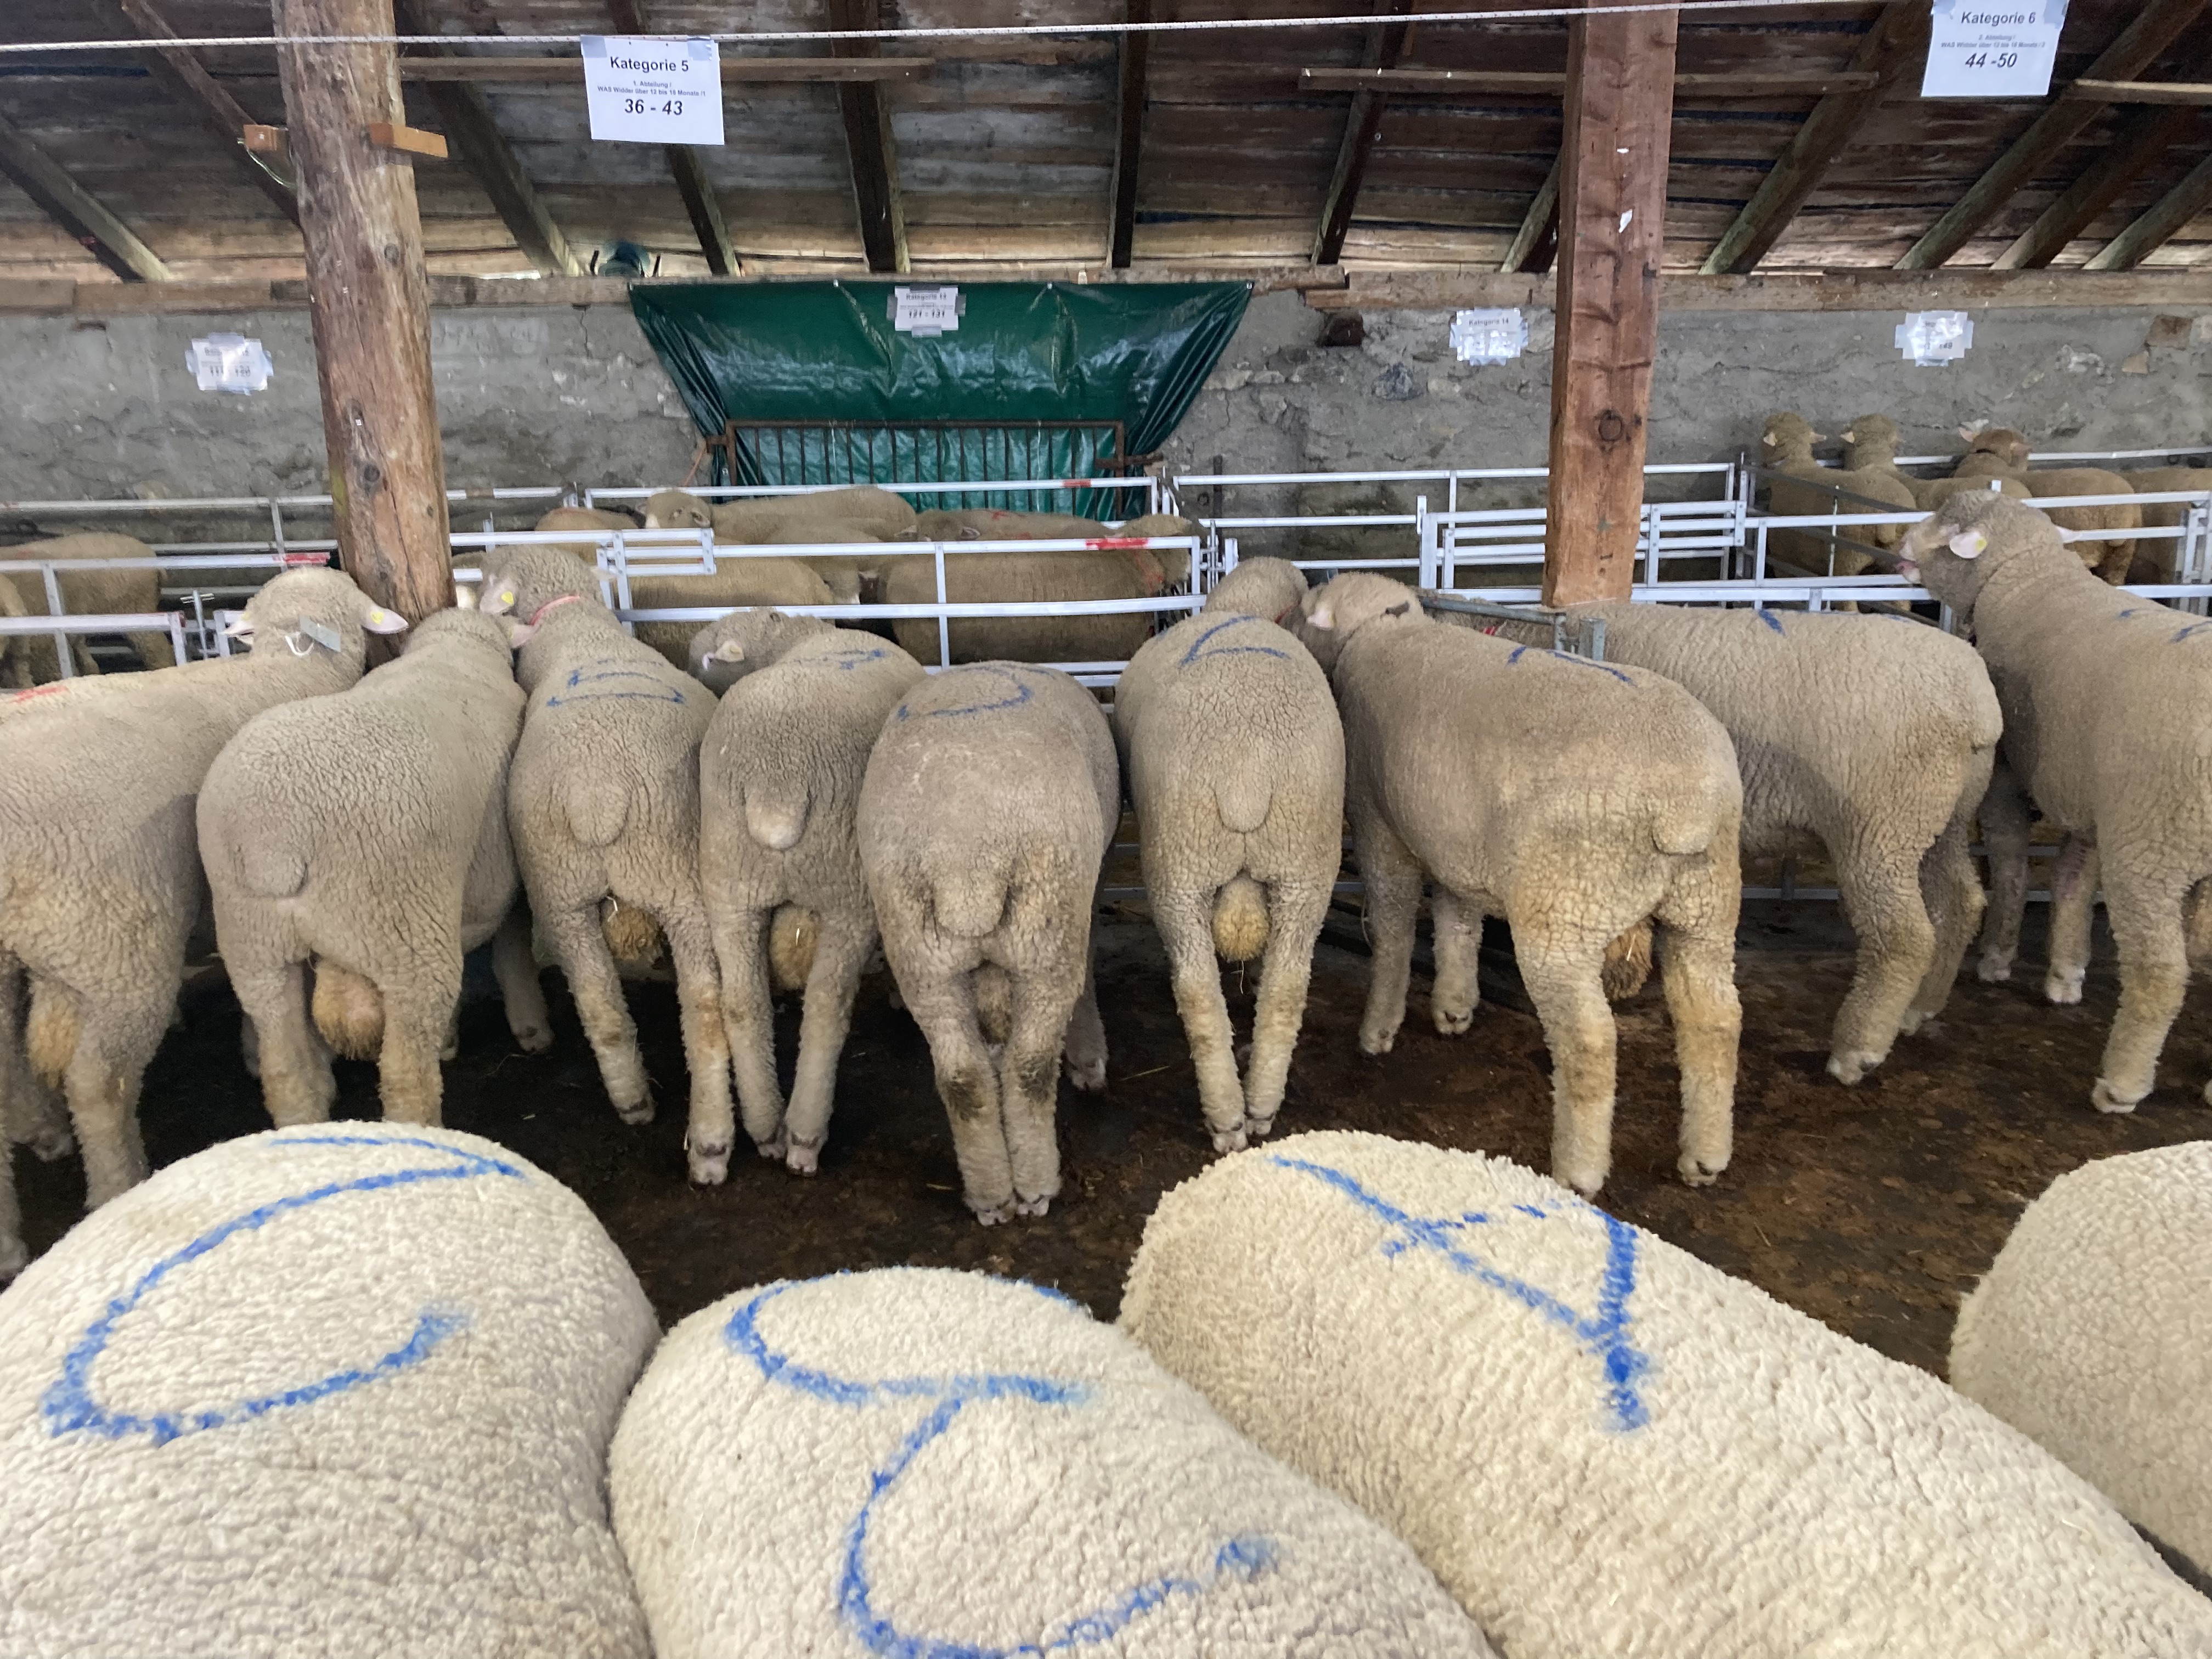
(557, 599)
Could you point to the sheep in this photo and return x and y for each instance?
(100, 871)
(365, 833)
(879, 513)
(779, 784)
(1575, 799)
(989, 803)
(2001, 452)
(603, 799)
(974, 578)
(1235, 756)
(2086, 1335)
(997, 524)
(15, 648)
(343, 1389)
(2107, 703)
(1870, 442)
(820, 1466)
(91, 593)
(2158, 557)
(1601, 1445)
(1786, 445)
(1859, 736)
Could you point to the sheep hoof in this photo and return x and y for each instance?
(49, 1143)
(1452, 1022)
(1848, 1066)
(1232, 1140)
(710, 1164)
(2208, 1094)
(1694, 1171)
(1376, 1042)
(2105, 1098)
(14, 1257)
(1994, 971)
(1033, 1205)
(533, 1039)
(1588, 1181)
(990, 1215)
(450, 1051)
(775, 1148)
(2062, 986)
(1089, 1075)
(1913, 1020)
(1258, 1128)
(803, 1157)
(640, 1111)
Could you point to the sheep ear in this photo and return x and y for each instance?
(1969, 544)
(1850, 436)
(520, 634)
(377, 620)
(653, 521)
(969, 533)
(1768, 438)
(242, 629)
(727, 650)
(1321, 617)
(1820, 437)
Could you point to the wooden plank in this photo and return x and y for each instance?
(72, 207)
(413, 141)
(1394, 82)
(1128, 135)
(370, 304)
(1893, 45)
(1613, 208)
(2140, 92)
(220, 113)
(2149, 33)
(874, 152)
(1869, 289)
(2158, 226)
(1536, 244)
(2133, 152)
(1363, 124)
(736, 71)
(701, 206)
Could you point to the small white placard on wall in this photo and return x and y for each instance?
(1993, 48)
(1489, 337)
(646, 91)
(1932, 338)
(926, 313)
(229, 363)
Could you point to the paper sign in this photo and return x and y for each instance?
(926, 313)
(1993, 48)
(641, 90)
(1489, 337)
(229, 363)
(1932, 338)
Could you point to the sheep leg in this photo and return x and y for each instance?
(520, 992)
(296, 1084)
(420, 999)
(2003, 816)
(1456, 991)
(1082, 1051)
(590, 967)
(1897, 944)
(1029, 1083)
(713, 1126)
(1697, 969)
(2073, 914)
(15, 1082)
(840, 955)
(2146, 922)
(749, 1022)
(1185, 918)
(113, 1048)
(31, 1114)
(1952, 893)
(1294, 918)
(1393, 877)
(154, 649)
(944, 1006)
(1563, 982)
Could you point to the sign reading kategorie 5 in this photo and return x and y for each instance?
(1993, 48)
(641, 90)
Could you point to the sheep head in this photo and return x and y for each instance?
(2001, 442)
(1953, 551)
(525, 581)
(745, 641)
(304, 609)
(677, 509)
(1271, 589)
(1328, 616)
(1873, 440)
(1787, 437)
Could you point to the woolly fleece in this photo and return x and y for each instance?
(2088, 1335)
(1603, 1446)
(914, 1462)
(338, 1389)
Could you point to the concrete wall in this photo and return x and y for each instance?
(561, 394)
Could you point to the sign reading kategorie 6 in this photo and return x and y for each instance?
(641, 90)
(1993, 48)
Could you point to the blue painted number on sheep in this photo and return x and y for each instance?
(1203, 649)
(1521, 651)
(1241, 1559)
(1604, 1335)
(70, 1405)
(1014, 698)
(605, 675)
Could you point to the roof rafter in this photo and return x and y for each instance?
(72, 207)
(2160, 223)
(700, 206)
(1129, 135)
(1362, 125)
(223, 114)
(1537, 241)
(868, 139)
(2146, 137)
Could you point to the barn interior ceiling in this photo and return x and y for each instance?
(1799, 144)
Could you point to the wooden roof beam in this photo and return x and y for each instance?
(72, 207)
(223, 114)
(2149, 135)
(736, 71)
(870, 142)
(2151, 30)
(2160, 222)
(1887, 50)
(1129, 135)
(2141, 92)
(700, 206)
(1537, 241)
(1540, 83)
(1362, 125)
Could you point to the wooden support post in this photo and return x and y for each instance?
(370, 300)
(1363, 125)
(1612, 210)
(74, 209)
(1129, 136)
(876, 199)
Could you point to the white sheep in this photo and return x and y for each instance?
(780, 776)
(1871, 737)
(1601, 1445)
(603, 799)
(1997, 451)
(89, 593)
(919, 1462)
(1235, 757)
(1577, 799)
(343, 1389)
(2088, 1335)
(365, 833)
(989, 803)
(1871, 441)
(100, 870)
(1786, 445)
(2158, 557)
(2107, 703)
(986, 578)
(757, 519)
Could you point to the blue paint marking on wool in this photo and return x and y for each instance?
(69, 1404)
(848, 660)
(2191, 631)
(1198, 646)
(1519, 651)
(1603, 1334)
(1022, 694)
(578, 678)
(1768, 617)
(1242, 1558)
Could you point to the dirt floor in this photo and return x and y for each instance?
(1872, 1209)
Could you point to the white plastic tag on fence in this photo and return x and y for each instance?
(1489, 337)
(1993, 48)
(229, 363)
(1932, 338)
(646, 91)
(926, 313)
